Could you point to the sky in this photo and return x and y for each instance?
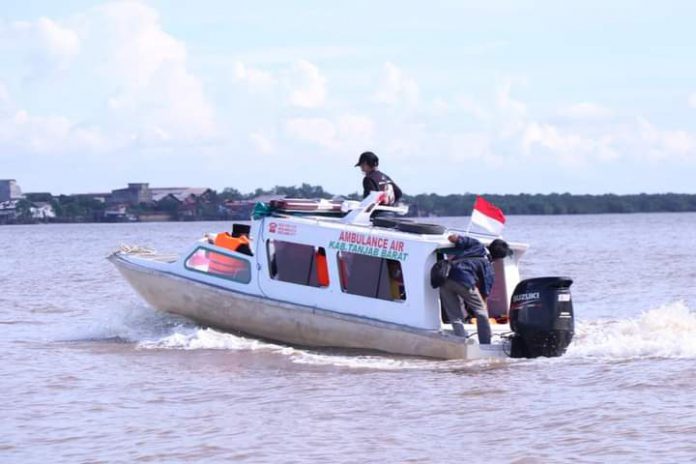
(453, 96)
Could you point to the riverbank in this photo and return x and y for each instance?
(230, 204)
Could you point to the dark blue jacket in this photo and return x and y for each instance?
(471, 266)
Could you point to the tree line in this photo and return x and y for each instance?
(513, 204)
(214, 206)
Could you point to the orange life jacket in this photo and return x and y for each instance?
(226, 265)
(225, 240)
(322, 269)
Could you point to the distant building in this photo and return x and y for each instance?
(185, 201)
(116, 212)
(42, 211)
(134, 194)
(8, 211)
(44, 197)
(37, 211)
(100, 197)
(9, 190)
(181, 194)
(137, 193)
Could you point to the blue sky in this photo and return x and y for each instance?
(454, 96)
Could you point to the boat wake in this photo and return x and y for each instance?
(665, 332)
(196, 338)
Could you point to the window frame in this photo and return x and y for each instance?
(384, 261)
(226, 253)
(312, 270)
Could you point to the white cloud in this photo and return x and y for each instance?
(261, 143)
(307, 85)
(45, 44)
(22, 130)
(356, 127)
(156, 97)
(692, 100)
(512, 113)
(509, 134)
(586, 110)
(48, 134)
(117, 54)
(58, 41)
(568, 147)
(319, 131)
(346, 133)
(663, 144)
(395, 87)
(283, 55)
(257, 80)
(4, 94)
(573, 144)
(468, 146)
(473, 108)
(131, 40)
(507, 103)
(630, 141)
(439, 107)
(302, 84)
(124, 83)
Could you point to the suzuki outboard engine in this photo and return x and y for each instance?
(541, 317)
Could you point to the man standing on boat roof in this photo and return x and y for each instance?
(471, 278)
(377, 181)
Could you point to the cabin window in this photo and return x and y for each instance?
(219, 264)
(371, 277)
(298, 263)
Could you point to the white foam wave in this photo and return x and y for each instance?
(665, 332)
(209, 339)
(127, 323)
(195, 338)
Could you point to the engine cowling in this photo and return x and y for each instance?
(541, 317)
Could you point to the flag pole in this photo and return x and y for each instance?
(468, 227)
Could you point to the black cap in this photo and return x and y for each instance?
(499, 249)
(369, 158)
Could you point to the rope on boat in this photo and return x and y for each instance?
(146, 252)
(136, 250)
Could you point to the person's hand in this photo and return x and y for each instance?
(453, 238)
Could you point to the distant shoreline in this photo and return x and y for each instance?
(136, 204)
(421, 218)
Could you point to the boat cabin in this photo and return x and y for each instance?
(343, 261)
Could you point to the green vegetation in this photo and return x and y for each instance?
(460, 205)
(233, 204)
(524, 203)
(69, 208)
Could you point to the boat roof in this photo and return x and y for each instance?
(357, 218)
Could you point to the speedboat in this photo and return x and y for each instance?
(347, 275)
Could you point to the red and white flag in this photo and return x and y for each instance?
(487, 216)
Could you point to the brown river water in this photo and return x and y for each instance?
(89, 373)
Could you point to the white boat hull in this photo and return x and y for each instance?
(289, 323)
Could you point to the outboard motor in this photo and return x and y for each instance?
(541, 317)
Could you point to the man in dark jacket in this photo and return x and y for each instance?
(377, 181)
(471, 278)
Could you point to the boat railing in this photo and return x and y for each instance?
(360, 212)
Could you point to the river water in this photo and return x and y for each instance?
(90, 373)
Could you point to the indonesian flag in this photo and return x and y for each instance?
(488, 216)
